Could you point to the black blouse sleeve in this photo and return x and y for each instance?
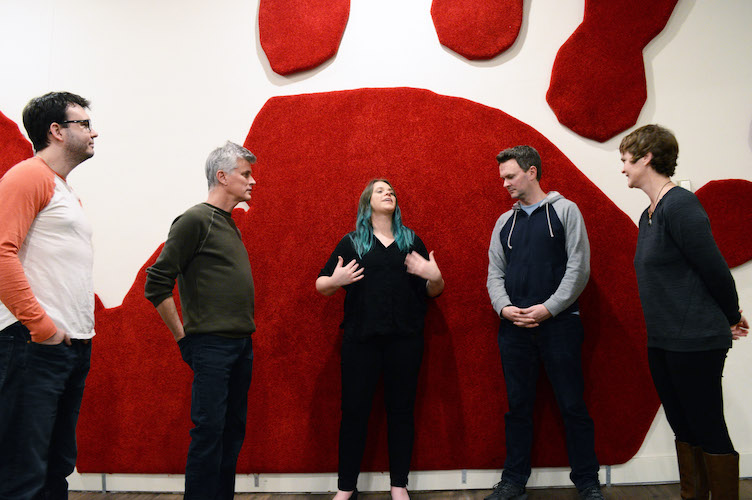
(345, 250)
(419, 247)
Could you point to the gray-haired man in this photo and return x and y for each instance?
(205, 253)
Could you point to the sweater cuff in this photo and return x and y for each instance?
(554, 307)
(41, 329)
(157, 299)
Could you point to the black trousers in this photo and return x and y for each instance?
(689, 386)
(398, 359)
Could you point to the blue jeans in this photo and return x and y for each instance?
(42, 434)
(219, 403)
(557, 343)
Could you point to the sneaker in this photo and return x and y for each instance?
(592, 493)
(504, 490)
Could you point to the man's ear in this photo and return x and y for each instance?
(221, 177)
(56, 131)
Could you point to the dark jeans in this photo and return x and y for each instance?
(219, 402)
(557, 343)
(689, 385)
(42, 434)
(13, 353)
(398, 359)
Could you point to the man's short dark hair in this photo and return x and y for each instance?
(526, 157)
(41, 112)
(657, 140)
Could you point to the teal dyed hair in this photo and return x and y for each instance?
(362, 238)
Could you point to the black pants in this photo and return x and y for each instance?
(398, 359)
(689, 385)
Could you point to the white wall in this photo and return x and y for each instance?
(170, 80)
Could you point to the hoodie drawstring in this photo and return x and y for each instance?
(509, 239)
(514, 221)
(548, 216)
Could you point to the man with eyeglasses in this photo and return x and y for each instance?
(47, 295)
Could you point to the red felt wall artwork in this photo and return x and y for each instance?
(297, 35)
(13, 146)
(477, 29)
(598, 85)
(729, 205)
(316, 152)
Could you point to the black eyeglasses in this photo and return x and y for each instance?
(86, 124)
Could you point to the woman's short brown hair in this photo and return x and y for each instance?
(653, 139)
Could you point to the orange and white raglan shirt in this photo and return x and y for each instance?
(46, 255)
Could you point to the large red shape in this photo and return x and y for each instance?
(729, 205)
(477, 29)
(13, 146)
(316, 152)
(598, 83)
(297, 35)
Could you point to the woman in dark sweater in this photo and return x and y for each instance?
(387, 275)
(691, 312)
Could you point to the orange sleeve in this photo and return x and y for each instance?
(24, 191)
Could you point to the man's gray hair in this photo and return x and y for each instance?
(226, 160)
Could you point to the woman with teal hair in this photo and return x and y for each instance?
(387, 274)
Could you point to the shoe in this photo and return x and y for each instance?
(504, 490)
(693, 475)
(723, 475)
(592, 493)
(353, 495)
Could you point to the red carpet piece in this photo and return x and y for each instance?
(316, 152)
(477, 29)
(598, 83)
(298, 35)
(729, 205)
(13, 145)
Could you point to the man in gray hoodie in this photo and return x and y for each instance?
(539, 263)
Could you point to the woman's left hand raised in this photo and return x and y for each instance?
(419, 266)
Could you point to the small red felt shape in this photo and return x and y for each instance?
(297, 35)
(598, 85)
(728, 203)
(315, 154)
(13, 146)
(477, 29)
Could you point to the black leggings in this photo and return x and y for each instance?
(689, 385)
(398, 359)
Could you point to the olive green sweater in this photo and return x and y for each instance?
(206, 254)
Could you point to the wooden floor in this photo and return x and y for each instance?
(659, 491)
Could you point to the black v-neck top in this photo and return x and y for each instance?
(388, 300)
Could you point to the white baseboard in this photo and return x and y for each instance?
(640, 470)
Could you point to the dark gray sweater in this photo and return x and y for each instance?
(687, 292)
(206, 254)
